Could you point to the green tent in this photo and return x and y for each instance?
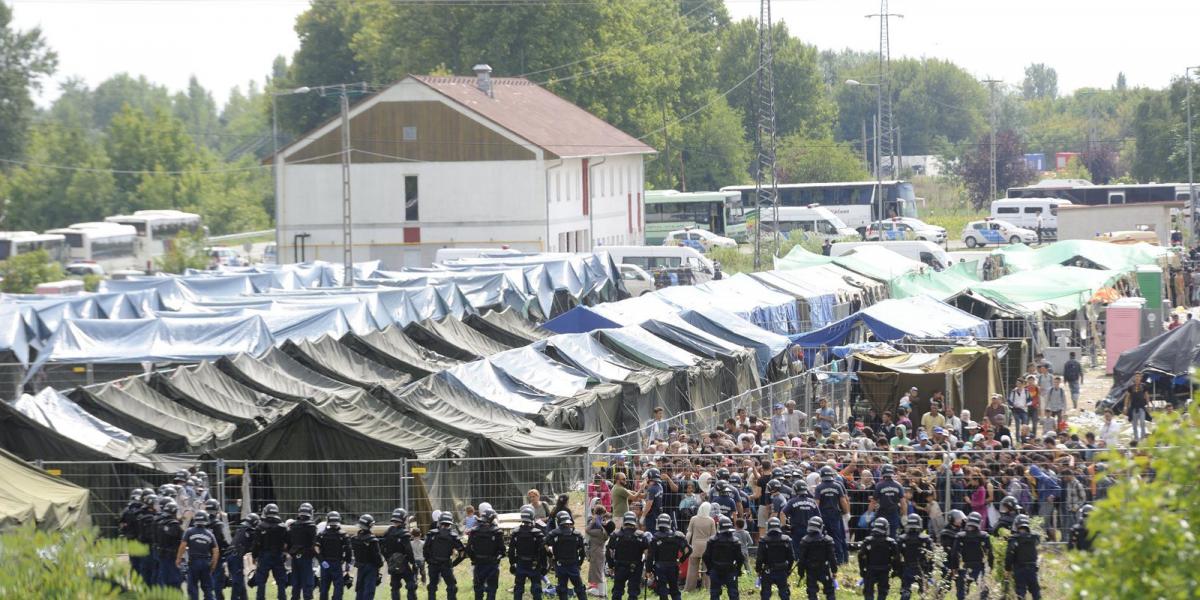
(30, 495)
(1102, 255)
(1055, 291)
(871, 261)
(942, 285)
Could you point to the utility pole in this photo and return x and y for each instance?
(766, 192)
(992, 135)
(887, 120)
(347, 235)
(1191, 205)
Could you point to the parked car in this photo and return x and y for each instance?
(905, 228)
(225, 257)
(637, 280)
(705, 239)
(995, 231)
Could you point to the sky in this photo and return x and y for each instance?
(229, 42)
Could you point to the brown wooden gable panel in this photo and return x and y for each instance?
(443, 135)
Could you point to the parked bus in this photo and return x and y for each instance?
(853, 202)
(722, 213)
(112, 246)
(1080, 191)
(812, 220)
(156, 230)
(16, 243)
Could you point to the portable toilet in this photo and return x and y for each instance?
(1123, 329)
(1150, 282)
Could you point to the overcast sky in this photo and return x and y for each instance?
(228, 42)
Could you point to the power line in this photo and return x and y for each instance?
(702, 108)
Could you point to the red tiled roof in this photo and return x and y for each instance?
(538, 115)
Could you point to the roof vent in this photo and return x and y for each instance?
(483, 79)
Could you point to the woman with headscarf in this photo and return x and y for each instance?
(860, 501)
(599, 527)
(700, 529)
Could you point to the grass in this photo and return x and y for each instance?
(946, 205)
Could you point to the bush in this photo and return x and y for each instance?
(23, 273)
(186, 252)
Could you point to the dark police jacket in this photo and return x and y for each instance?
(566, 546)
(366, 549)
(333, 545)
(816, 555)
(527, 547)
(774, 553)
(1022, 551)
(723, 554)
(626, 548)
(397, 549)
(485, 545)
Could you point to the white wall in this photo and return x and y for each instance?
(1083, 223)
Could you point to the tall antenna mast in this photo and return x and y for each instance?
(766, 193)
(889, 145)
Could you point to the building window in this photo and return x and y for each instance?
(410, 134)
(411, 203)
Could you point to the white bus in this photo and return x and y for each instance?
(110, 245)
(813, 220)
(16, 243)
(854, 202)
(156, 229)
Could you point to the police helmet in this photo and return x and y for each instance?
(653, 474)
(827, 473)
(1010, 503)
(193, 481)
(170, 507)
(805, 467)
(146, 493)
(170, 492)
(251, 519)
(1021, 522)
(446, 519)
(777, 472)
(956, 517)
(879, 525)
(136, 495)
(725, 524)
(1086, 510)
(723, 474)
(774, 524)
(150, 499)
(887, 470)
(774, 485)
(527, 514)
(630, 520)
(974, 520)
(180, 476)
(212, 505)
(162, 501)
(563, 518)
(201, 475)
(333, 518)
(488, 515)
(735, 480)
(271, 510)
(663, 523)
(912, 522)
(366, 522)
(400, 516)
(305, 507)
(200, 518)
(816, 525)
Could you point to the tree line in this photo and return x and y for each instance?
(679, 75)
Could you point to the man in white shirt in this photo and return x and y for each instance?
(1109, 430)
(795, 418)
(907, 399)
(656, 429)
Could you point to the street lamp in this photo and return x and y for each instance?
(878, 114)
(279, 164)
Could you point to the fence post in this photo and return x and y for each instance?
(247, 498)
(404, 477)
(219, 478)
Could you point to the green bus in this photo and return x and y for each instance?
(719, 212)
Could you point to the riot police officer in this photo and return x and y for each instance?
(485, 548)
(668, 549)
(625, 554)
(1009, 509)
(269, 543)
(127, 526)
(947, 539)
(725, 499)
(878, 558)
(832, 502)
(167, 539)
(235, 556)
(301, 546)
(1021, 559)
(333, 550)
(443, 551)
(971, 550)
(916, 548)
(146, 528)
(367, 559)
(724, 561)
(774, 560)
(889, 494)
(816, 561)
(566, 548)
(220, 530)
(1080, 539)
(798, 512)
(652, 498)
(527, 555)
(397, 549)
(200, 546)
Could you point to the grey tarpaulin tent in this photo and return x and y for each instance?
(593, 404)
(393, 348)
(508, 327)
(1162, 360)
(145, 413)
(454, 339)
(204, 388)
(770, 348)
(739, 365)
(699, 378)
(331, 359)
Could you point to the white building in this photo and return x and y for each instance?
(461, 161)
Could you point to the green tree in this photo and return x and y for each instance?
(804, 160)
(197, 110)
(973, 167)
(1147, 527)
(41, 197)
(1040, 82)
(326, 56)
(23, 272)
(24, 60)
(122, 90)
(714, 153)
(156, 144)
(1076, 170)
(186, 252)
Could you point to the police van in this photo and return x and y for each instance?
(1024, 212)
(997, 232)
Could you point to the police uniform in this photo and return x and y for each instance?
(485, 548)
(146, 529)
(566, 546)
(773, 563)
(724, 561)
(889, 493)
(220, 531)
(625, 553)
(947, 539)
(270, 542)
(367, 559)
(128, 528)
(527, 559)
(915, 550)
(397, 549)
(1080, 538)
(1004, 525)
(443, 551)
(167, 539)
(668, 549)
(798, 510)
(200, 545)
(333, 550)
(971, 549)
(1021, 559)
(653, 493)
(878, 558)
(829, 503)
(301, 545)
(235, 559)
(816, 562)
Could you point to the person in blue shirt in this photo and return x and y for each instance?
(797, 511)
(653, 499)
(832, 502)
(889, 495)
(1049, 496)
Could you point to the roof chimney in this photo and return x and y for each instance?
(483, 79)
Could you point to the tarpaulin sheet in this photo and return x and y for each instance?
(941, 285)
(507, 327)
(580, 319)
(769, 348)
(739, 370)
(58, 412)
(279, 375)
(28, 495)
(893, 319)
(13, 337)
(819, 303)
(767, 308)
(331, 359)
(1054, 290)
(462, 336)
(204, 388)
(489, 382)
(694, 298)
(1172, 353)
(133, 405)
(649, 349)
(1113, 257)
(967, 375)
(393, 348)
(875, 262)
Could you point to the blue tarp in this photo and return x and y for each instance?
(918, 316)
(580, 319)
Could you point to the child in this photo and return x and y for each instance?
(418, 546)
(743, 538)
(471, 521)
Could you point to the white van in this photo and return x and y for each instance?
(813, 220)
(660, 257)
(1023, 212)
(919, 250)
